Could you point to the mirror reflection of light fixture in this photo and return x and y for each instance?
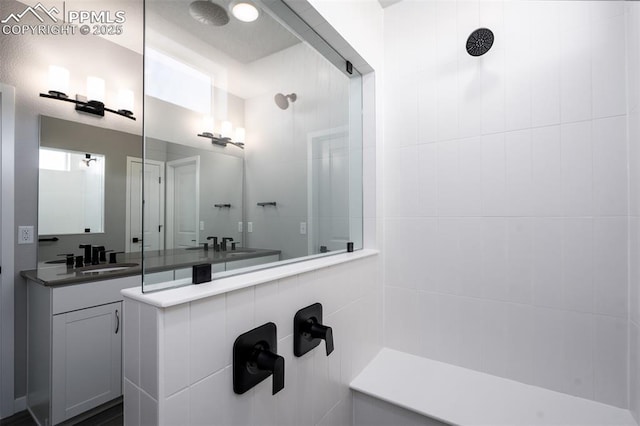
(222, 138)
(93, 103)
(87, 160)
(244, 11)
(58, 81)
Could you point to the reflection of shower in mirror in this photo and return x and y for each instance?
(283, 100)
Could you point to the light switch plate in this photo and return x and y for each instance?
(239, 226)
(202, 225)
(249, 226)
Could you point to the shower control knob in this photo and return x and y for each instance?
(308, 330)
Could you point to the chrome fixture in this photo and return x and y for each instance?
(283, 101)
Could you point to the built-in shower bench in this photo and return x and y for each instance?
(402, 389)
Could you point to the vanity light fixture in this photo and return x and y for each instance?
(218, 139)
(244, 11)
(224, 137)
(93, 103)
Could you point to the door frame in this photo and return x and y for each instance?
(170, 182)
(127, 232)
(7, 216)
(313, 138)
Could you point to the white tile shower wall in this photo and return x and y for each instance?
(189, 382)
(633, 107)
(506, 222)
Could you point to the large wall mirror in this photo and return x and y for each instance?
(282, 127)
(82, 187)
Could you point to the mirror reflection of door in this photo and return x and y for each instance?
(329, 190)
(183, 206)
(152, 236)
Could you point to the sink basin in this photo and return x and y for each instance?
(111, 267)
(237, 252)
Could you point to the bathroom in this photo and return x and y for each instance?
(500, 216)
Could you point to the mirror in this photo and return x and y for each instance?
(168, 175)
(296, 114)
(113, 147)
(71, 196)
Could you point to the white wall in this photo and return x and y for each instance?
(506, 191)
(24, 65)
(633, 105)
(178, 367)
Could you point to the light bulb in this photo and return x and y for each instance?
(58, 80)
(125, 100)
(226, 129)
(207, 124)
(245, 12)
(95, 89)
(240, 135)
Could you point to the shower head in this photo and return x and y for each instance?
(479, 42)
(283, 100)
(207, 12)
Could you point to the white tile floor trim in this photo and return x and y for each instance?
(180, 295)
(461, 396)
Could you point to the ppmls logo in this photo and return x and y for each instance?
(43, 12)
(86, 22)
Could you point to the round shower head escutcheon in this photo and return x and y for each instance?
(209, 13)
(479, 42)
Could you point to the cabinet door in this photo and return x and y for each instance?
(87, 359)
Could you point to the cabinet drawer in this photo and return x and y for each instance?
(79, 296)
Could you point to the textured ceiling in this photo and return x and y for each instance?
(245, 42)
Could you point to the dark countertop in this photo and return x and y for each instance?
(154, 261)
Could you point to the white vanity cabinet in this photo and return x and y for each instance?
(75, 347)
(86, 359)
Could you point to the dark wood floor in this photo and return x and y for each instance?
(110, 417)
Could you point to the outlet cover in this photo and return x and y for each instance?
(303, 228)
(239, 226)
(25, 234)
(249, 226)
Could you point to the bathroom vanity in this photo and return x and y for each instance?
(75, 347)
(75, 324)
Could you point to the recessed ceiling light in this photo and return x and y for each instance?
(246, 12)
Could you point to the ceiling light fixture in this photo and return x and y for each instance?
(245, 11)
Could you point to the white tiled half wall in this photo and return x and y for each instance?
(177, 361)
(506, 192)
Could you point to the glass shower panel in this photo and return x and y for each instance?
(259, 149)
